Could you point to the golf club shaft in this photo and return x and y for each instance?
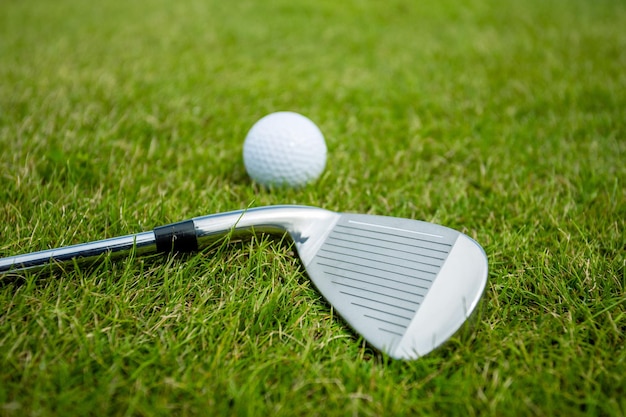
(142, 243)
(186, 236)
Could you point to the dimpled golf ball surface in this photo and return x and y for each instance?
(284, 149)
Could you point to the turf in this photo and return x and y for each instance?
(502, 119)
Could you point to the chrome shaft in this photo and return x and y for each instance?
(185, 236)
(142, 243)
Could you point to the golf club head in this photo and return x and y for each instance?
(405, 285)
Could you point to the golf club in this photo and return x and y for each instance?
(405, 285)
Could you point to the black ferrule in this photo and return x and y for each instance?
(176, 237)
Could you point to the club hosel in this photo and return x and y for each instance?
(305, 225)
(199, 232)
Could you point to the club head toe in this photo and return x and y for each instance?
(452, 298)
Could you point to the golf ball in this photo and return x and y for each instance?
(284, 149)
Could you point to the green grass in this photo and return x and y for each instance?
(503, 119)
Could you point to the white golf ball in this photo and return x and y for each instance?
(284, 148)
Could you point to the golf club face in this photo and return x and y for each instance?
(406, 286)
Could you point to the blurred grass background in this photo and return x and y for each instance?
(505, 120)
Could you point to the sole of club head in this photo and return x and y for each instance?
(405, 285)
